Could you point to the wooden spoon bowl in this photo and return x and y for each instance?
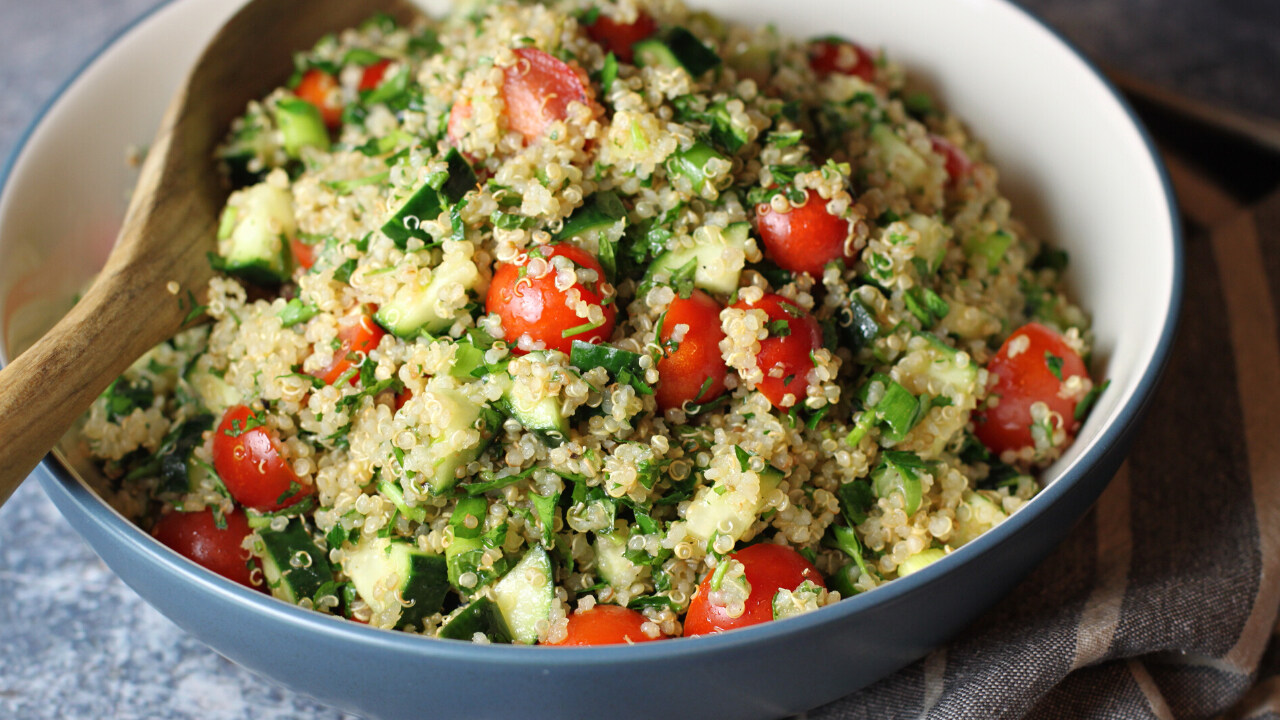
(156, 276)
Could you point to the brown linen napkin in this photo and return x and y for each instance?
(1164, 598)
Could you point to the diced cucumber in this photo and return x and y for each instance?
(215, 393)
(602, 212)
(257, 246)
(729, 508)
(901, 160)
(988, 250)
(932, 245)
(676, 47)
(302, 126)
(293, 565)
(428, 201)
(611, 561)
(719, 254)
(481, 616)
(525, 595)
(539, 414)
(394, 575)
(391, 490)
(447, 454)
(420, 308)
(920, 561)
(692, 164)
(981, 514)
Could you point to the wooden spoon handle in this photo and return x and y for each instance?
(46, 388)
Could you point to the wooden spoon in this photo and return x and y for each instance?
(168, 230)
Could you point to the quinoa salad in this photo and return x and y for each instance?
(597, 321)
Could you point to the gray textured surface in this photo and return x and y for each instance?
(77, 643)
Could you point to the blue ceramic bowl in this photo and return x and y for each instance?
(1073, 158)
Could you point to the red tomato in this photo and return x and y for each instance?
(958, 163)
(769, 568)
(303, 254)
(372, 76)
(250, 464)
(841, 56)
(804, 239)
(537, 90)
(460, 111)
(617, 37)
(1023, 379)
(321, 89)
(534, 307)
(403, 397)
(785, 356)
(605, 625)
(696, 358)
(358, 334)
(197, 537)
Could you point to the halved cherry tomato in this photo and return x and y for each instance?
(958, 163)
(247, 458)
(805, 238)
(535, 308)
(373, 74)
(537, 90)
(197, 537)
(834, 55)
(357, 334)
(1030, 367)
(692, 369)
(321, 89)
(785, 356)
(304, 255)
(768, 568)
(618, 38)
(605, 625)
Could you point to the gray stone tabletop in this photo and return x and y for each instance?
(75, 642)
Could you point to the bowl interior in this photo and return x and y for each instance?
(1071, 158)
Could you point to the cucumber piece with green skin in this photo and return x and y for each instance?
(676, 48)
(901, 160)
(539, 414)
(429, 200)
(612, 564)
(920, 561)
(446, 454)
(600, 213)
(481, 616)
(292, 564)
(719, 254)
(525, 595)
(692, 164)
(254, 245)
(735, 506)
(420, 308)
(394, 573)
(302, 126)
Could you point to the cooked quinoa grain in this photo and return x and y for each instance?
(533, 329)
